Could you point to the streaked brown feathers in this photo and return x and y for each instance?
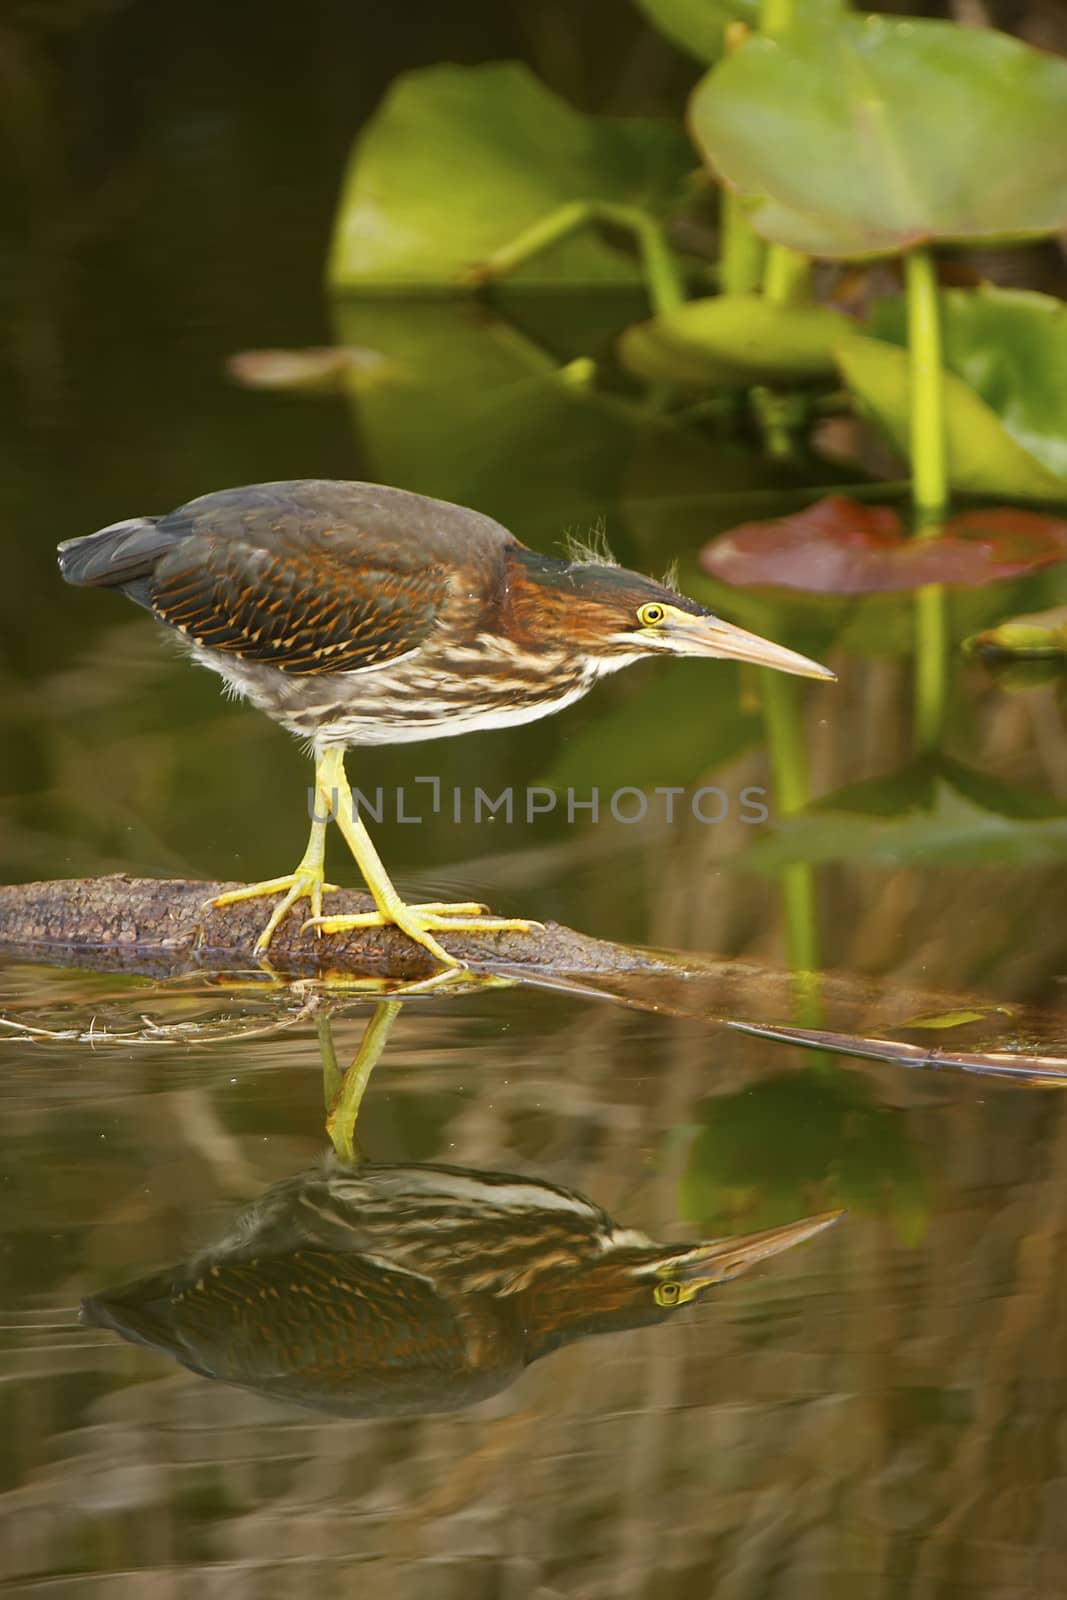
(304, 608)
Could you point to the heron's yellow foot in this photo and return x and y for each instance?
(306, 883)
(421, 922)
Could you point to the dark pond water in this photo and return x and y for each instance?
(882, 1411)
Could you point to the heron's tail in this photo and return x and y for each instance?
(122, 556)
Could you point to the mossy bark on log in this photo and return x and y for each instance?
(162, 926)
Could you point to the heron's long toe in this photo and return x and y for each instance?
(306, 883)
(421, 922)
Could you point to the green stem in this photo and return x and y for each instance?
(787, 276)
(666, 288)
(775, 413)
(787, 280)
(929, 470)
(928, 466)
(741, 249)
(785, 734)
(775, 16)
(785, 740)
(931, 667)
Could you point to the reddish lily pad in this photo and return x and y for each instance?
(839, 546)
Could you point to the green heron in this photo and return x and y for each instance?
(355, 614)
(392, 1290)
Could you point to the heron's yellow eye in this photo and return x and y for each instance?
(652, 615)
(668, 1294)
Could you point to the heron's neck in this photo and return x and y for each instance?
(549, 605)
(559, 1308)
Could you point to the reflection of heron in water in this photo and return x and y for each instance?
(372, 1290)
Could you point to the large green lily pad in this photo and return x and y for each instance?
(460, 160)
(734, 339)
(874, 134)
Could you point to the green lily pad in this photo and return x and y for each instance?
(1040, 635)
(460, 160)
(962, 1017)
(982, 456)
(699, 26)
(1010, 347)
(918, 130)
(735, 339)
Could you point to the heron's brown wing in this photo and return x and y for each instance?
(304, 601)
(313, 1316)
(317, 575)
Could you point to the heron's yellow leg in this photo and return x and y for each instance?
(306, 882)
(419, 922)
(344, 1096)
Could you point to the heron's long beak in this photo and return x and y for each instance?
(720, 1259)
(688, 635)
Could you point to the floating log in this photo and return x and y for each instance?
(159, 926)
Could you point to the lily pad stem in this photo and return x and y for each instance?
(741, 252)
(786, 281)
(666, 288)
(929, 490)
(784, 725)
(928, 466)
(786, 276)
(775, 16)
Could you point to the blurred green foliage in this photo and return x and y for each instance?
(1009, 346)
(735, 339)
(699, 26)
(841, 136)
(460, 160)
(936, 811)
(981, 455)
(811, 1140)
